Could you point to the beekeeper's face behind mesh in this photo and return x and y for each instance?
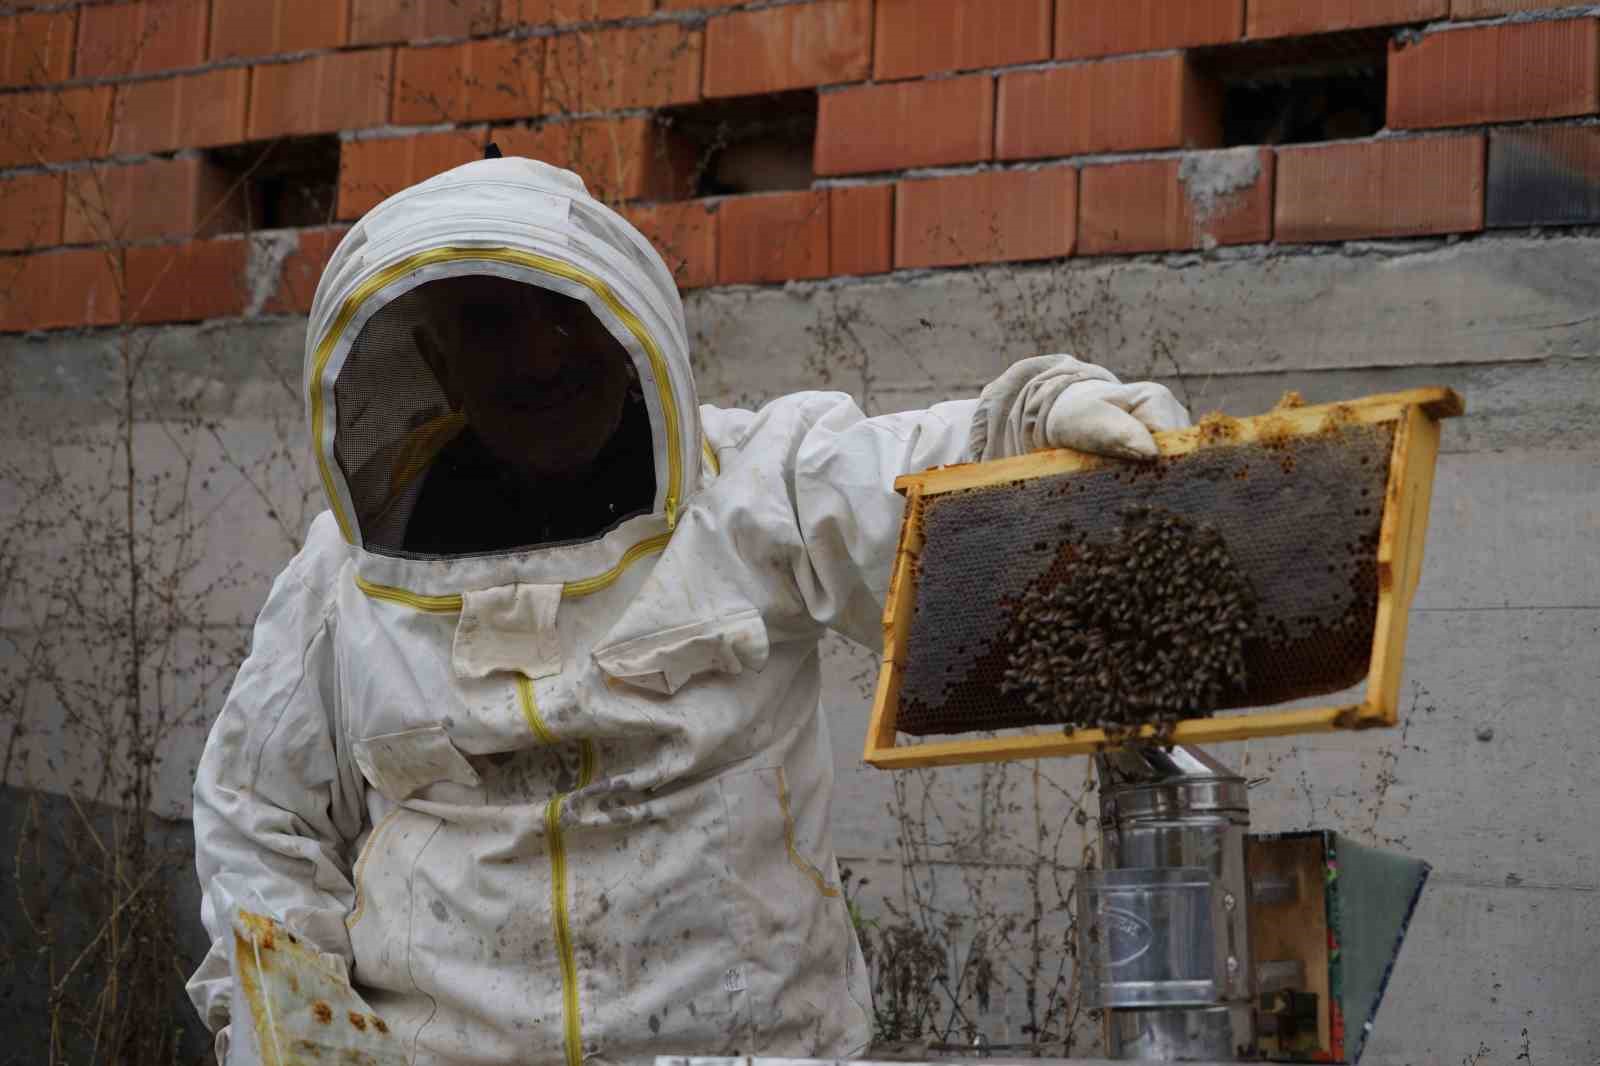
(481, 413)
(540, 380)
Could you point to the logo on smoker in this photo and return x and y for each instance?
(1127, 936)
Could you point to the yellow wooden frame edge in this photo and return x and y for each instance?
(1283, 422)
(1399, 559)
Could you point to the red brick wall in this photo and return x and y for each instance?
(949, 132)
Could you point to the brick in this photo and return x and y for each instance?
(390, 21)
(618, 159)
(771, 237)
(141, 38)
(301, 271)
(606, 70)
(1473, 9)
(697, 5)
(496, 79)
(340, 91)
(59, 290)
(567, 12)
(371, 171)
(250, 28)
(1089, 29)
(190, 111)
(986, 218)
(1496, 74)
(860, 229)
(1544, 176)
(1289, 18)
(36, 49)
(32, 215)
(917, 37)
(54, 125)
(1391, 188)
(188, 282)
(1116, 106)
(905, 124)
(1170, 205)
(685, 234)
(792, 47)
(149, 201)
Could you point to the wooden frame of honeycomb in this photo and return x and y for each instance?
(1415, 414)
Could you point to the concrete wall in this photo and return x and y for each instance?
(1490, 778)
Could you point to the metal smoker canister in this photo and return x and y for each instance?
(1168, 958)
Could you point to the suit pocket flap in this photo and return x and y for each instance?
(401, 764)
(666, 660)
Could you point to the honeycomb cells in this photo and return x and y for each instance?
(1135, 632)
(1299, 515)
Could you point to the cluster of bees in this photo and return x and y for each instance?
(1146, 627)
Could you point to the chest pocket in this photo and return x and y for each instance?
(666, 660)
(400, 765)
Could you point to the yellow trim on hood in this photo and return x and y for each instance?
(450, 603)
(532, 261)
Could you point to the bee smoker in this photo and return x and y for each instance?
(1164, 928)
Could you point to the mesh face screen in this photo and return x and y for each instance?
(396, 423)
(1300, 517)
(392, 418)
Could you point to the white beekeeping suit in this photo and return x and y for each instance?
(555, 786)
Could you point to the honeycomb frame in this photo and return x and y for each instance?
(1415, 415)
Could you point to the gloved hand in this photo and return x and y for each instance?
(1110, 419)
(1056, 401)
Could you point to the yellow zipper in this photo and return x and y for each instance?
(530, 711)
(360, 869)
(531, 260)
(450, 603)
(416, 601)
(799, 861)
(558, 903)
(572, 1024)
(589, 585)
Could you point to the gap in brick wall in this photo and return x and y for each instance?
(1329, 87)
(288, 183)
(749, 143)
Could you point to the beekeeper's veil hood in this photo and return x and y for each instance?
(381, 405)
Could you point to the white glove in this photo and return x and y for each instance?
(1056, 401)
(1110, 419)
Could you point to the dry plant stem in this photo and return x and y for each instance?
(949, 949)
(1035, 944)
(110, 654)
(107, 927)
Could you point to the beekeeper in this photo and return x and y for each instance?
(529, 733)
